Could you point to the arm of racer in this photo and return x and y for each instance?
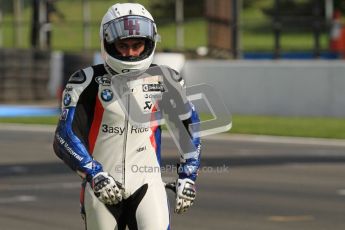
(74, 153)
(188, 171)
(70, 146)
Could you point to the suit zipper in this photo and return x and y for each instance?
(125, 144)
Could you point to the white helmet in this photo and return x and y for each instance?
(127, 20)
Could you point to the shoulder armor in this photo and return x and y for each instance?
(177, 77)
(77, 77)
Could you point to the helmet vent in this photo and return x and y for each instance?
(117, 11)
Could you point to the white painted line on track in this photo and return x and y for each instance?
(279, 139)
(341, 192)
(28, 128)
(46, 186)
(220, 137)
(290, 218)
(273, 139)
(18, 199)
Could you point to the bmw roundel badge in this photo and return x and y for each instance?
(107, 95)
(67, 99)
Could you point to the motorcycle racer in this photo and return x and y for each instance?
(95, 138)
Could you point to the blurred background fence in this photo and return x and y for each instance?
(234, 28)
(24, 75)
(42, 42)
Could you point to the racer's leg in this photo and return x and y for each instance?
(153, 211)
(146, 209)
(97, 216)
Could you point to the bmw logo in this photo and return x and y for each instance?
(67, 99)
(107, 95)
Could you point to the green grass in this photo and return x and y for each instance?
(261, 125)
(194, 34)
(257, 32)
(289, 41)
(50, 120)
(317, 127)
(290, 126)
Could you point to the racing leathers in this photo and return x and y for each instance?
(94, 135)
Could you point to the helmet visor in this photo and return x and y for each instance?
(129, 26)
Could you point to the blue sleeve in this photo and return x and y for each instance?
(71, 149)
(71, 135)
(189, 167)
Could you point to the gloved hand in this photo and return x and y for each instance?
(185, 195)
(106, 189)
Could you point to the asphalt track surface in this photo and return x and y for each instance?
(246, 183)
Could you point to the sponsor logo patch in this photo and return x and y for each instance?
(112, 129)
(148, 105)
(67, 99)
(107, 95)
(69, 88)
(64, 114)
(154, 96)
(141, 149)
(153, 88)
(103, 80)
(120, 130)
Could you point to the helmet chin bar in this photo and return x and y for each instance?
(111, 50)
(115, 66)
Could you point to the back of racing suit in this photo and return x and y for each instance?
(94, 135)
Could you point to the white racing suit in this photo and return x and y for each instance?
(94, 135)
